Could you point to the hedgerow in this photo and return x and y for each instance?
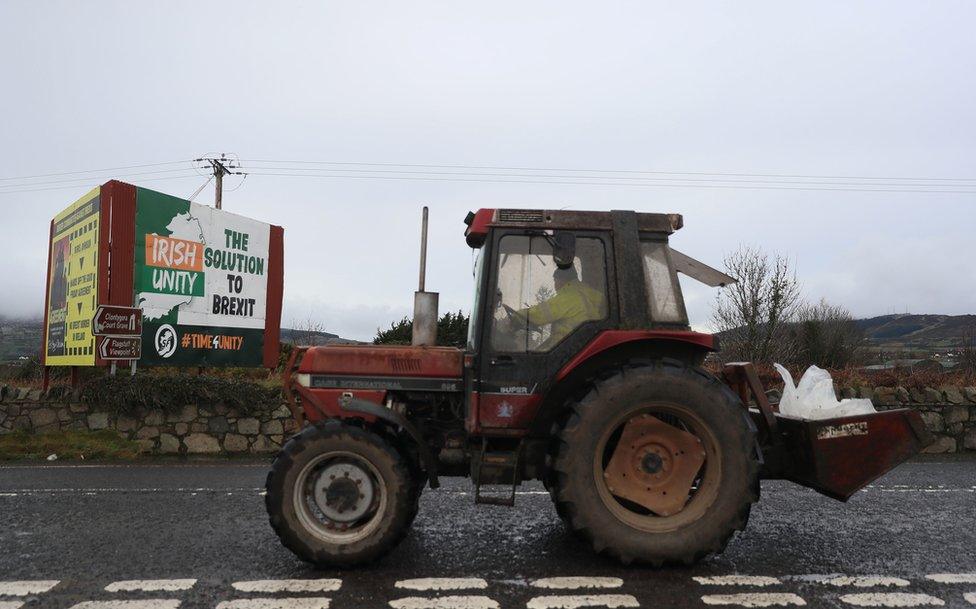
(170, 393)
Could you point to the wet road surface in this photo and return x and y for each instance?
(195, 535)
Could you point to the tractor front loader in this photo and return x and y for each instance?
(580, 370)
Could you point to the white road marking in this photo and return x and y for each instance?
(11, 604)
(574, 583)
(582, 600)
(275, 603)
(27, 587)
(151, 585)
(466, 493)
(892, 599)
(932, 488)
(133, 466)
(970, 597)
(289, 585)
(953, 578)
(192, 491)
(737, 580)
(755, 599)
(444, 602)
(860, 581)
(95, 491)
(443, 583)
(152, 603)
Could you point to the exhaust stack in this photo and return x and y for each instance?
(424, 303)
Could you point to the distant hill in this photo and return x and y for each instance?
(21, 338)
(909, 330)
(312, 337)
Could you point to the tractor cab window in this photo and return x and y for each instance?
(663, 292)
(536, 303)
(474, 322)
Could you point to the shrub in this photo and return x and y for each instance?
(452, 331)
(170, 393)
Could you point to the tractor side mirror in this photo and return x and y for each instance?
(564, 249)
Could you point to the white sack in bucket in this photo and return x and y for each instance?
(814, 397)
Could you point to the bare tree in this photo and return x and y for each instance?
(825, 335)
(751, 314)
(308, 332)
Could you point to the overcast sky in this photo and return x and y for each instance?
(828, 88)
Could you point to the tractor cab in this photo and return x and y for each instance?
(554, 289)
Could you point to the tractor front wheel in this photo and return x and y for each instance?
(657, 464)
(339, 495)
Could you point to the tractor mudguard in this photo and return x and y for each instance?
(395, 418)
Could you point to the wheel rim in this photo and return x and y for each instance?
(340, 497)
(657, 462)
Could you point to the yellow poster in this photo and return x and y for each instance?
(73, 287)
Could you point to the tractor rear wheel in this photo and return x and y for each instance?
(656, 464)
(339, 495)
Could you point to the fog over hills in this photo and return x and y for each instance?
(21, 338)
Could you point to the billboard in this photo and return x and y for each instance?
(72, 288)
(201, 280)
(208, 282)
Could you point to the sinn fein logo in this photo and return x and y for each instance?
(165, 341)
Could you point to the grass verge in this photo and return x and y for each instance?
(103, 444)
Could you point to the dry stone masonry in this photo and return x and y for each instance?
(215, 429)
(949, 413)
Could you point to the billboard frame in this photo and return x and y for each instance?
(116, 270)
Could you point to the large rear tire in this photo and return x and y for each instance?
(722, 484)
(339, 495)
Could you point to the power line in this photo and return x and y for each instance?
(218, 167)
(632, 178)
(615, 184)
(67, 173)
(631, 171)
(9, 192)
(89, 179)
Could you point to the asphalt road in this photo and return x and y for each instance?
(88, 527)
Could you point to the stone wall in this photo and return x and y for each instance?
(194, 429)
(949, 413)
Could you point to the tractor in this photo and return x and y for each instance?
(580, 370)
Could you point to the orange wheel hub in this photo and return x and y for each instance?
(654, 465)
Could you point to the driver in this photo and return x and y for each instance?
(573, 304)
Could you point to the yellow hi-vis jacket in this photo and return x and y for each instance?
(574, 303)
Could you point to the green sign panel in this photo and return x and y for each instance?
(201, 282)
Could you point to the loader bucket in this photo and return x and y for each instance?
(838, 457)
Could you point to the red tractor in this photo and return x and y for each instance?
(580, 370)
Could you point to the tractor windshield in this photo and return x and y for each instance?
(473, 321)
(537, 304)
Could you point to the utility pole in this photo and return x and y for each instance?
(220, 167)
